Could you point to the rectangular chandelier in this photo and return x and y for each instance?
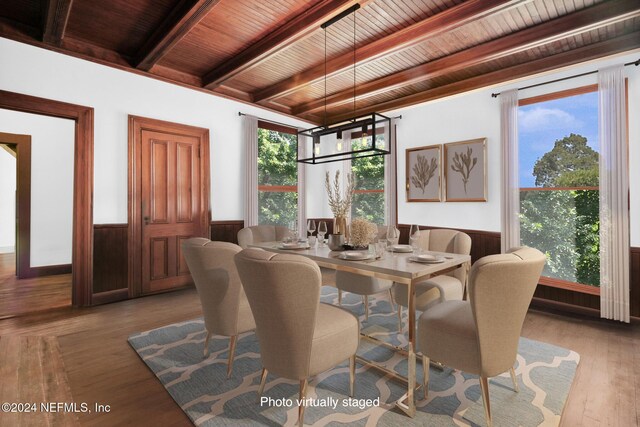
(363, 136)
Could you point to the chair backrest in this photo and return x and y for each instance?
(284, 295)
(261, 233)
(214, 272)
(447, 240)
(500, 290)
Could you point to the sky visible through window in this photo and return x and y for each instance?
(541, 124)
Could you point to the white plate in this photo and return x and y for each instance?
(355, 255)
(422, 259)
(401, 248)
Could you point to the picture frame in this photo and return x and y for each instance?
(465, 170)
(424, 174)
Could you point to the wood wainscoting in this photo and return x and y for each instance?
(110, 263)
(226, 231)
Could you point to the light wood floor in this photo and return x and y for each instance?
(102, 368)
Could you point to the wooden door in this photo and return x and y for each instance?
(172, 203)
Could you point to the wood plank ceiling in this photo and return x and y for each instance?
(272, 52)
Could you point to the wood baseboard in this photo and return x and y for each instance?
(46, 270)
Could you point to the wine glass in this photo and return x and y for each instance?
(414, 238)
(293, 226)
(393, 235)
(322, 230)
(311, 227)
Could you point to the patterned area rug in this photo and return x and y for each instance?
(200, 387)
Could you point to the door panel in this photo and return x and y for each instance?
(171, 209)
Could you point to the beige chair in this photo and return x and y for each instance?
(262, 233)
(480, 336)
(298, 336)
(446, 287)
(363, 285)
(224, 304)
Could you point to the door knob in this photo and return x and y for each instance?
(146, 220)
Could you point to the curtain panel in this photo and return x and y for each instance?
(250, 139)
(614, 190)
(302, 180)
(510, 183)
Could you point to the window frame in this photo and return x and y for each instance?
(281, 129)
(581, 90)
(357, 135)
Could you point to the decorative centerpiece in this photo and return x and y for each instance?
(362, 233)
(339, 202)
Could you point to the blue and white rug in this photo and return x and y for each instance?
(201, 388)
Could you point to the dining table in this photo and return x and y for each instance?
(399, 267)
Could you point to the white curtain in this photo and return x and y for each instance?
(614, 190)
(302, 195)
(250, 138)
(510, 180)
(390, 188)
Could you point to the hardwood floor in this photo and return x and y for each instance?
(102, 368)
(19, 297)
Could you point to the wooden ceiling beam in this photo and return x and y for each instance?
(591, 52)
(584, 20)
(56, 17)
(294, 30)
(449, 19)
(186, 15)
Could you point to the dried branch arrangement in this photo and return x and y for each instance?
(339, 203)
(423, 171)
(464, 164)
(362, 231)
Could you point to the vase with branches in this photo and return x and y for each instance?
(463, 163)
(340, 202)
(423, 171)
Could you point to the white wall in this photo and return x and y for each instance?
(7, 201)
(476, 114)
(52, 142)
(115, 94)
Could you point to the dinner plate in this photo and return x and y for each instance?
(355, 255)
(294, 246)
(401, 248)
(427, 259)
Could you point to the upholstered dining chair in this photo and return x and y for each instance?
(224, 304)
(363, 285)
(480, 336)
(261, 233)
(298, 336)
(446, 287)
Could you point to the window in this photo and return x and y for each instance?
(277, 174)
(368, 200)
(559, 178)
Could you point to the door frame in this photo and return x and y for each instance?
(82, 245)
(23, 201)
(138, 124)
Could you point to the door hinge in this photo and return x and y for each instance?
(198, 151)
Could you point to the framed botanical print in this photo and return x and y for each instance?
(424, 174)
(465, 171)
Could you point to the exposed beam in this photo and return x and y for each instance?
(451, 18)
(56, 16)
(588, 19)
(591, 52)
(186, 15)
(294, 30)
